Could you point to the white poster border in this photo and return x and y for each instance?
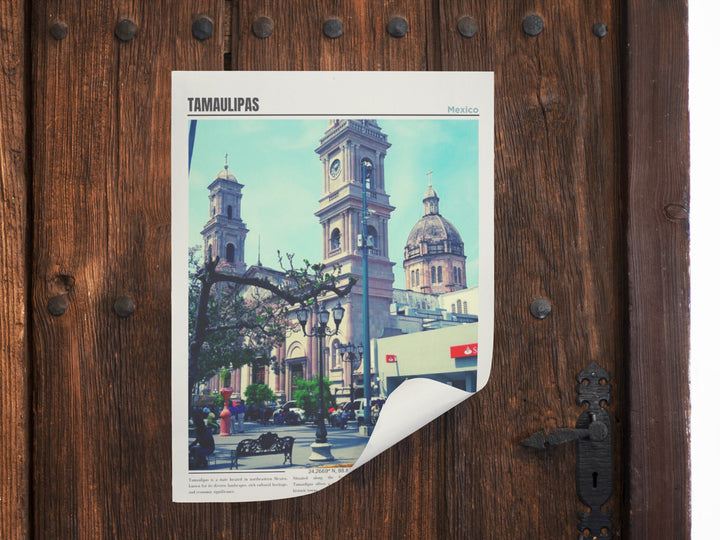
(302, 95)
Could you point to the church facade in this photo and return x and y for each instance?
(433, 260)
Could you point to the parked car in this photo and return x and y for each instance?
(376, 404)
(288, 413)
(253, 413)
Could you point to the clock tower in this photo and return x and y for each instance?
(344, 148)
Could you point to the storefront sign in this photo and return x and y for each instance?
(463, 351)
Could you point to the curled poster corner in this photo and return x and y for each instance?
(407, 410)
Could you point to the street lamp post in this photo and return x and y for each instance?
(366, 169)
(352, 353)
(321, 449)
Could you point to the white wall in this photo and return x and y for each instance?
(425, 353)
(705, 294)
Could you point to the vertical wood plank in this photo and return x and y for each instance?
(75, 411)
(559, 235)
(140, 207)
(15, 371)
(102, 217)
(656, 73)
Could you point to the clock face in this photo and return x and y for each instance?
(335, 168)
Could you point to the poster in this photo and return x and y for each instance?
(289, 188)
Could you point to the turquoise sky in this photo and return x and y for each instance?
(282, 175)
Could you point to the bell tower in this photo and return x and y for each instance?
(343, 149)
(224, 233)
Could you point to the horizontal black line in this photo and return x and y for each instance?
(327, 115)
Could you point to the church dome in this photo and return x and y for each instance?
(434, 229)
(430, 193)
(225, 174)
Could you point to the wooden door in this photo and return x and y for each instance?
(591, 198)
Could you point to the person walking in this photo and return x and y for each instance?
(233, 408)
(241, 415)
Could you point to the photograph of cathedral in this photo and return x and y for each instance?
(261, 189)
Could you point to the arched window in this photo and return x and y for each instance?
(230, 253)
(209, 252)
(335, 239)
(373, 239)
(465, 308)
(439, 274)
(295, 350)
(258, 374)
(455, 274)
(229, 212)
(459, 306)
(433, 276)
(417, 277)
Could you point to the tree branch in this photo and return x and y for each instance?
(301, 296)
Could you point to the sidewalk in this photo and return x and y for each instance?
(347, 445)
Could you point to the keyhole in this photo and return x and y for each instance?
(595, 478)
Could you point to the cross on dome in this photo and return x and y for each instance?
(430, 200)
(225, 173)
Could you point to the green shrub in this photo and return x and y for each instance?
(258, 394)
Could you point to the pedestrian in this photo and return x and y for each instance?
(241, 416)
(210, 421)
(343, 419)
(233, 416)
(203, 445)
(375, 412)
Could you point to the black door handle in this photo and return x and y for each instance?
(596, 431)
(593, 437)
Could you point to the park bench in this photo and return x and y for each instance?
(265, 444)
